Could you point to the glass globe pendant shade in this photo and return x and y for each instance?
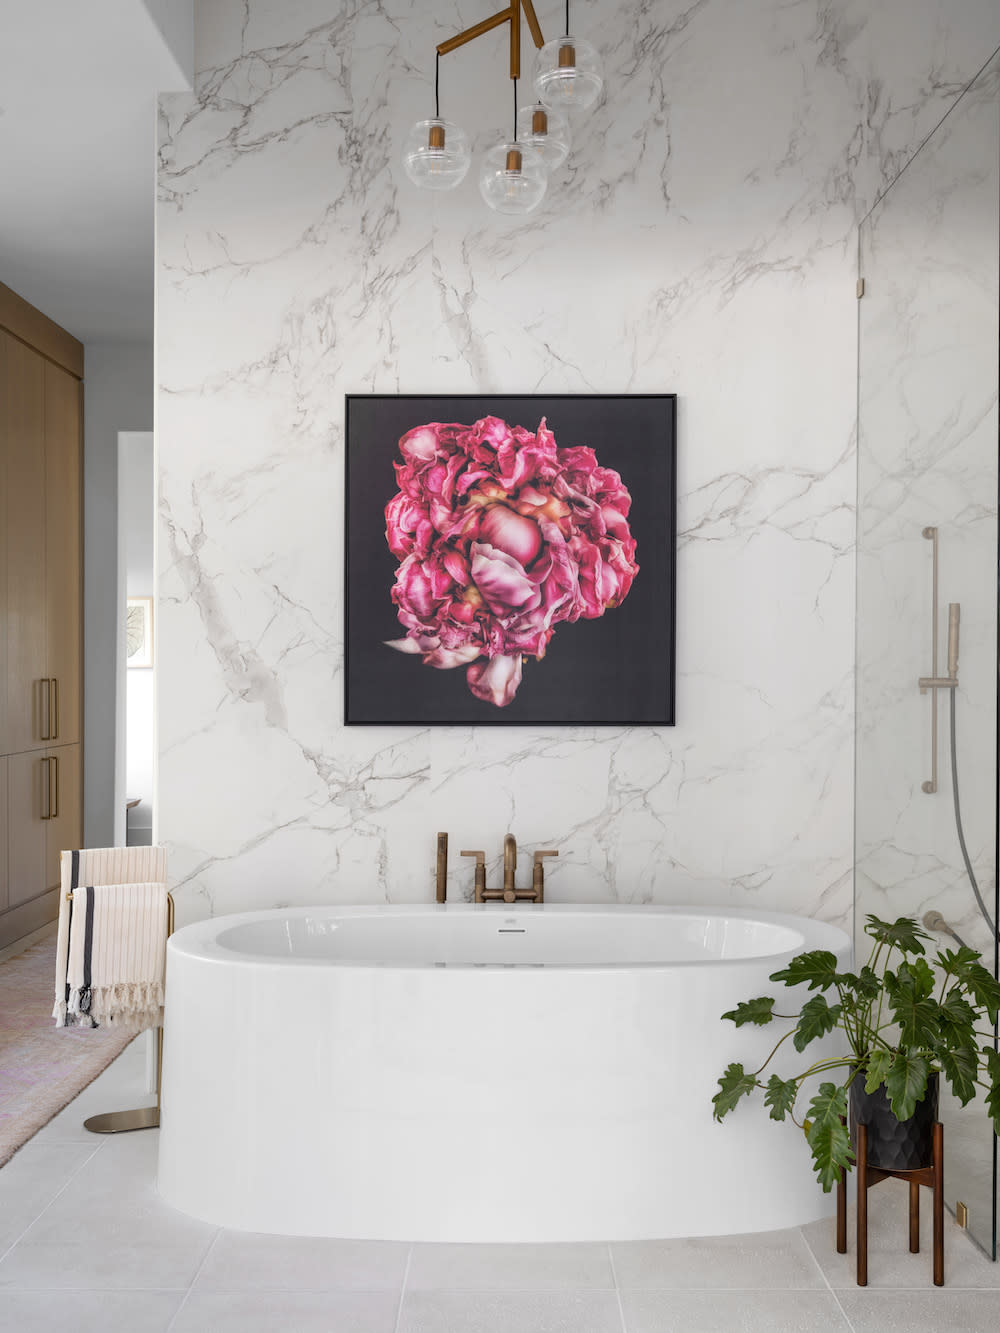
(436, 156)
(512, 178)
(546, 131)
(568, 75)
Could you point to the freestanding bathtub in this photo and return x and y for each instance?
(477, 1073)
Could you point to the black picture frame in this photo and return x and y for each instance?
(617, 669)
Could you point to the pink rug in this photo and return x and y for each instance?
(42, 1067)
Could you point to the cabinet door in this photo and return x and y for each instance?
(63, 560)
(4, 744)
(4, 839)
(23, 410)
(64, 828)
(27, 802)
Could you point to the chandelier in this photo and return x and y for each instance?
(514, 174)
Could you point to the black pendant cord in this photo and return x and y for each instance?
(514, 81)
(567, 18)
(437, 87)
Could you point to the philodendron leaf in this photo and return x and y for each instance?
(960, 1066)
(916, 1015)
(955, 962)
(780, 1096)
(818, 967)
(903, 933)
(752, 1011)
(734, 1084)
(816, 1020)
(827, 1134)
(993, 1096)
(984, 987)
(878, 1066)
(957, 1021)
(918, 977)
(906, 1082)
(864, 985)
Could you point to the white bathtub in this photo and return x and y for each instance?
(466, 1073)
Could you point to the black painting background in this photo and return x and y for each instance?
(616, 669)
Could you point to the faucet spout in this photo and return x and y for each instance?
(509, 867)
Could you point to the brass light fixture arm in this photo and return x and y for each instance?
(511, 15)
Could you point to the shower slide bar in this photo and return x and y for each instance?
(934, 682)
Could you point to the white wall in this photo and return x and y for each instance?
(701, 240)
(137, 519)
(118, 396)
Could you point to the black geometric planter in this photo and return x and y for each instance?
(894, 1145)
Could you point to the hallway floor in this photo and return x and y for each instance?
(86, 1244)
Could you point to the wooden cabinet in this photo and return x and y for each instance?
(4, 840)
(64, 826)
(23, 400)
(63, 565)
(41, 562)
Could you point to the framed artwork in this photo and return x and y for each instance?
(139, 632)
(510, 559)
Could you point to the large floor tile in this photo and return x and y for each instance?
(247, 1261)
(765, 1260)
(120, 1087)
(88, 1311)
(291, 1311)
(32, 1178)
(97, 1262)
(732, 1312)
(935, 1311)
(509, 1267)
(890, 1263)
(510, 1312)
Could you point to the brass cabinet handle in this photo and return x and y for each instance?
(442, 868)
(54, 708)
(55, 804)
(45, 728)
(46, 789)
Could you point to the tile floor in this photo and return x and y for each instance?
(86, 1245)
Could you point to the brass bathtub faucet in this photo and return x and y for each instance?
(509, 893)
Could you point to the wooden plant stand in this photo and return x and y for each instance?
(932, 1176)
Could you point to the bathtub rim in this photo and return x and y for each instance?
(199, 939)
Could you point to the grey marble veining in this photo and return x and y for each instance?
(699, 240)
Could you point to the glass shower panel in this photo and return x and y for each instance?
(927, 485)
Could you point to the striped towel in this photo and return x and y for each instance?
(116, 953)
(104, 866)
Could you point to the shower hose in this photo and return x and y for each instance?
(958, 824)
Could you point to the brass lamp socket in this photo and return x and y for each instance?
(435, 137)
(539, 122)
(514, 160)
(567, 57)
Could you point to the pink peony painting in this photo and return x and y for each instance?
(527, 559)
(501, 536)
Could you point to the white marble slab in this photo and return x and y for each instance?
(700, 240)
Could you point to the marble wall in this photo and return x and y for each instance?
(700, 240)
(927, 457)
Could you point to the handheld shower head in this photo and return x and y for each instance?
(954, 612)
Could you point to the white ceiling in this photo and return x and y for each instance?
(78, 87)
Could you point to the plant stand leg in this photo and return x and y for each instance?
(938, 1204)
(914, 1217)
(862, 1236)
(842, 1213)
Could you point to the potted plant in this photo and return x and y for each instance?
(904, 1025)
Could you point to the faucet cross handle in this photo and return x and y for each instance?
(538, 874)
(480, 880)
